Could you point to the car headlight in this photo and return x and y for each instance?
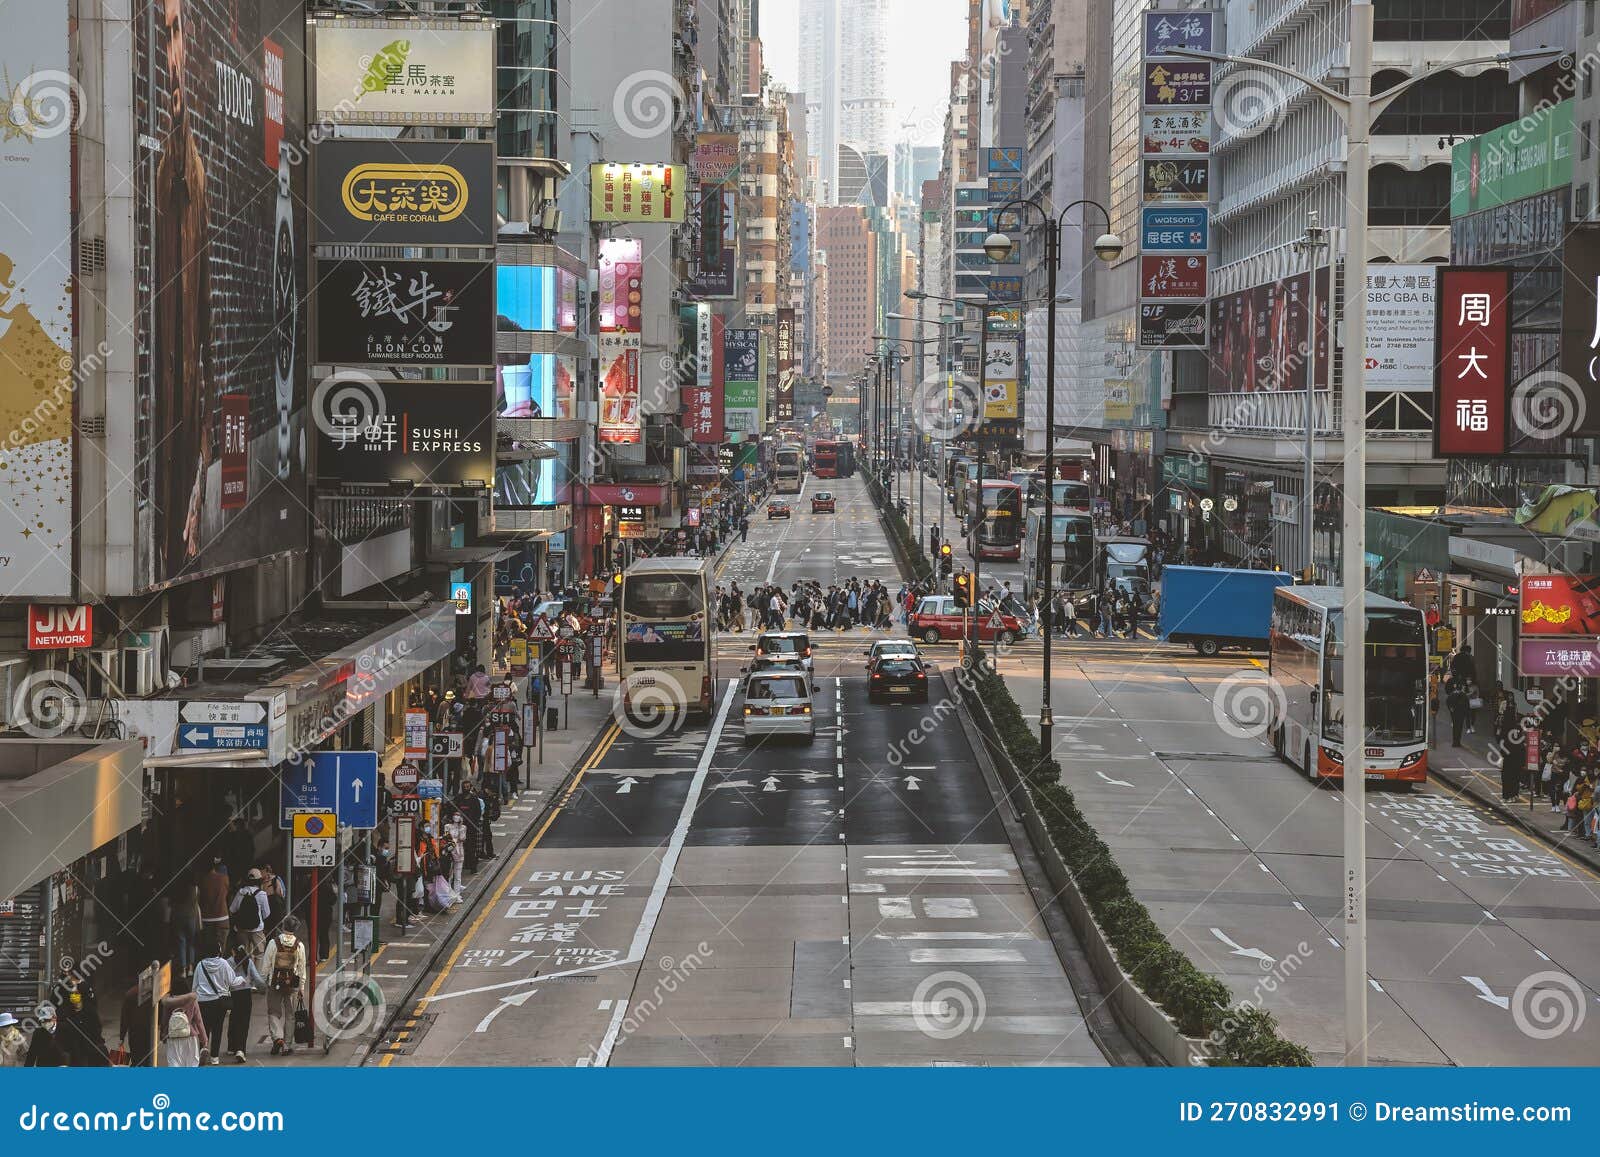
(1332, 754)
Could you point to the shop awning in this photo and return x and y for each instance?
(60, 799)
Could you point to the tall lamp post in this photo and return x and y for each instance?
(999, 247)
(1356, 107)
(944, 322)
(919, 527)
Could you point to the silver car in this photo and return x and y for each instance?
(778, 703)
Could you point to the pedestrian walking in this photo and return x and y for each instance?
(78, 1009)
(285, 959)
(247, 981)
(455, 834)
(186, 925)
(13, 1045)
(44, 1049)
(213, 988)
(249, 913)
(214, 906)
(183, 1048)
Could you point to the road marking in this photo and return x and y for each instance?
(438, 982)
(390, 975)
(951, 936)
(602, 1055)
(1236, 949)
(1376, 987)
(604, 1004)
(1113, 782)
(966, 956)
(1487, 994)
(895, 908)
(516, 998)
(920, 873)
(867, 889)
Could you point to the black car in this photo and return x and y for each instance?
(777, 510)
(895, 678)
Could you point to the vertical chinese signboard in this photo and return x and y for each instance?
(702, 402)
(1472, 372)
(785, 357)
(1175, 164)
(1580, 327)
(741, 351)
(621, 278)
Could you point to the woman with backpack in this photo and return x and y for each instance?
(249, 914)
(284, 966)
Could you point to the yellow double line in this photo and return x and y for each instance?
(600, 751)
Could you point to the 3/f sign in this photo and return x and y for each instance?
(54, 628)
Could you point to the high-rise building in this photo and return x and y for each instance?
(844, 73)
(844, 233)
(819, 80)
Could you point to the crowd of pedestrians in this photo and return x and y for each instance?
(808, 605)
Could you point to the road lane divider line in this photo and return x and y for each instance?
(462, 941)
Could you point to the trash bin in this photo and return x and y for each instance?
(552, 718)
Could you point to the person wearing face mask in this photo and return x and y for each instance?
(78, 1009)
(44, 1049)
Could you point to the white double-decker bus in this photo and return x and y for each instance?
(1307, 656)
(788, 469)
(666, 627)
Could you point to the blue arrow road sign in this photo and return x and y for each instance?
(357, 774)
(309, 785)
(222, 736)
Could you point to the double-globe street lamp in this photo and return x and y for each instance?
(918, 526)
(1356, 107)
(999, 247)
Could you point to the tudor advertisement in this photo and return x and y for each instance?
(405, 313)
(227, 264)
(435, 435)
(404, 192)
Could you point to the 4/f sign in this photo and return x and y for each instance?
(56, 628)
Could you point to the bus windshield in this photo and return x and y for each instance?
(1001, 524)
(1396, 674)
(1074, 494)
(661, 596)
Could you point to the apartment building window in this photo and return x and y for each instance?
(1398, 197)
(1580, 203)
(1448, 103)
(1442, 20)
(1585, 137)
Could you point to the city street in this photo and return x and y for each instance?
(699, 901)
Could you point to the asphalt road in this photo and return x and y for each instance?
(1481, 939)
(700, 901)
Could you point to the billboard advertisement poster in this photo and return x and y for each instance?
(620, 418)
(1578, 657)
(713, 232)
(1259, 336)
(1472, 375)
(235, 451)
(1401, 314)
(1163, 326)
(1181, 132)
(390, 72)
(527, 386)
(637, 192)
(1003, 160)
(404, 192)
(1177, 179)
(36, 381)
(226, 286)
(428, 435)
(1559, 604)
(1177, 277)
(621, 283)
(1000, 379)
(1177, 83)
(1521, 159)
(1166, 31)
(404, 313)
(715, 159)
(1174, 229)
(1580, 330)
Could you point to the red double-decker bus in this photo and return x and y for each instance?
(825, 460)
(996, 524)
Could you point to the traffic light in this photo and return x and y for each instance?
(963, 590)
(616, 579)
(946, 559)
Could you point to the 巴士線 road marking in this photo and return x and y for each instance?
(438, 982)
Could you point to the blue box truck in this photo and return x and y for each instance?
(1210, 608)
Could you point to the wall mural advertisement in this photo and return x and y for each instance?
(621, 280)
(225, 239)
(404, 313)
(36, 308)
(1259, 336)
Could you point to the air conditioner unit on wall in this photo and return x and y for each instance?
(105, 674)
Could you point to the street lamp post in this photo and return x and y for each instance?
(944, 323)
(1356, 107)
(998, 247)
(1311, 244)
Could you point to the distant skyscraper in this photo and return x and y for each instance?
(844, 72)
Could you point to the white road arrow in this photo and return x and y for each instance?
(913, 783)
(1487, 993)
(518, 999)
(1115, 782)
(770, 783)
(1237, 950)
(626, 786)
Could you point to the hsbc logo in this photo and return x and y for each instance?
(53, 628)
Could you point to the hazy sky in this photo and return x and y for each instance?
(924, 37)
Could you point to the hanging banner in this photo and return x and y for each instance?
(703, 401)
(620, 418)
(637, 192)
(621, 284)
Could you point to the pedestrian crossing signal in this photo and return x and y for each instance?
(963, 590)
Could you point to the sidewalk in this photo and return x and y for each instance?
(1466, 769)
(399, 967)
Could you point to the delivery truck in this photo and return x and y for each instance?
(1211, 608)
